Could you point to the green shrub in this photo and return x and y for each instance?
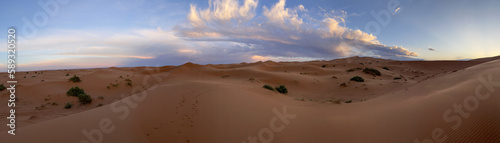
(75, 79)
(129, 82)
(68, 105)
(2, 87)
(282, 89)
(385, 68)
(268, 87)
(67, 74)
(357, 79)
(75, 91)
(84, 98)
(354, 69)
(371, 71)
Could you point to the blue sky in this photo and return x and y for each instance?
(104, 33)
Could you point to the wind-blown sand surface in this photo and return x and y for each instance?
(226, 103)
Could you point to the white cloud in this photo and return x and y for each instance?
(290, 32)
(222, 11)
(278, 14)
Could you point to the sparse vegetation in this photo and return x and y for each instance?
(348, 101)
(343, 85)
(357, 79)
(2, 87)
(385, 68)
(100, 104)
(371, 71)
(129, 82)
(68, 105)
(323, 66)
(268, 87)
(100, 97)
(84, 98)
(354, 69)
(75, 79)
(75, 91)
(282, 89)
(396, 78)
(67, 74)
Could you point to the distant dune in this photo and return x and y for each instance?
(411, 101)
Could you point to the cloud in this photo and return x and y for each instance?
(431, 49)
(88, 48)
(396, 11)
(221, 12)
(283, 31)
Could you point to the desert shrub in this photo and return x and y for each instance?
(357, 79)
(343, 85)
(129, 82)
(75, 79)
(84, 98)
(371, 71)
(2, 87)
(75, 91)
(396, 78)
(354, 69)
(385, 68)
(68, 105)
(268, 87)
(67, 74)
(282, 89)
(348, 101)
(323, 66)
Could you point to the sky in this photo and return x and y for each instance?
(69, 34)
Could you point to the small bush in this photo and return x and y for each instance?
(75, 91)
(282, 89)
(84, 98)
(67, 74)
(371, 71)
(343, 85)
(323, 66)
(68, 105)
(357, 79)
(268, 87)
(348, 101)
(385, 68)
(129, 82)
(75, 79)
(2, 87)
(396, 78)
(354, 69)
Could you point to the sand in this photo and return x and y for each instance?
(227, 103)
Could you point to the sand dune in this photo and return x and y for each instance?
(434, 101)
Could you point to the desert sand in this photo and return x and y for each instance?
(227, 103)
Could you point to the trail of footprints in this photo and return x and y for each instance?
(186, 110)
